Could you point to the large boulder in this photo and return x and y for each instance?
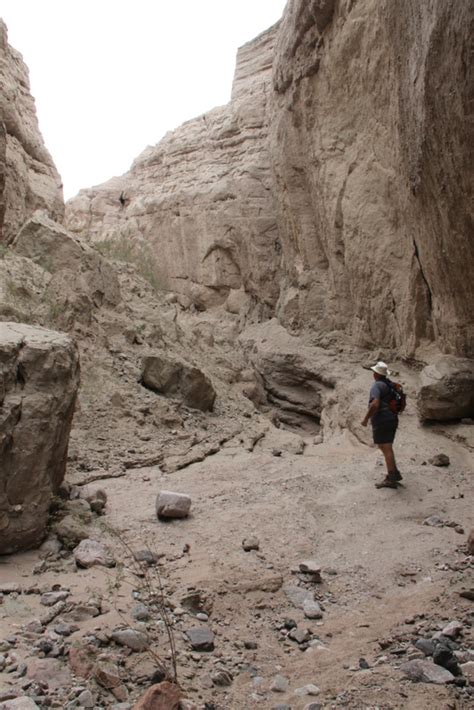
(446, 389)
(38, 387)
(172, 377)
(58, 251)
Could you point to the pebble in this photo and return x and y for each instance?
(135, 640)
(86, 699)
(140, 612)
(222, 678)
(311, 609)
(201, 638)
(309, 689)
(300, 635)
(426, 646)
(250, 645)
(202, 617)
(453, 629)
(250, 543)
(298, 595)
(279, 684)
(439, 460)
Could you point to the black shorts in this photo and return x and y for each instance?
(385, 433)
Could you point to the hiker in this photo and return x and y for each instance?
(384, 422)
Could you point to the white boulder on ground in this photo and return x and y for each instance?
(39, 379)
(172, 505)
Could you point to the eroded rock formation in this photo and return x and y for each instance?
(361, 227)
(38, 387)
(202, 197)
(28, 177)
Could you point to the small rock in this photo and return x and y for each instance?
(221, 678)
(200, 616)
(311, 609)
(147, 556)
(434, 521)
(135, 640)
(162, 696)
(470, 543)
(300, 635)
(140, 612)
(298, 595)
(86, 699)
(426, 646)
(444, 656)
(201, 638)
(426, 672)
(22, 703)
(71, 531)
(51, 598)
(172, 505)
(250, 645)
(279, 684)
(250, 543)
(108, 676)
(453, 629)
(313, 706)
(468, 671)
(439, 460)
(90, 553)
(96, 497)
(50, 671)
(308, 689)
(311, 567)
(363, 665)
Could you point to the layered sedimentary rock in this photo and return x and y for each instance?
(363, 227)
(202, 197)
(28, 177)
(39, 378)
(372, 153)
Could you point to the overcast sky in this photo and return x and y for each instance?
(113, 76)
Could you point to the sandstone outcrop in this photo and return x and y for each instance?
(370, 145)
(173, 377)
(446, 389)
(336, 195)
(201, 198)
(38, 387)
(28, 177)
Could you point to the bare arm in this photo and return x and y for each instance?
(373, 407)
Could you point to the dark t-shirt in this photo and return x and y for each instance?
(384, 415)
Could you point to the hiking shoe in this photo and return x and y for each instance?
(386, 483)
(395, 475)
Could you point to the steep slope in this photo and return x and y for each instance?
(28, 178)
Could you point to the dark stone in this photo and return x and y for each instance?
(443, 656)
(289, 624)
(363, 664)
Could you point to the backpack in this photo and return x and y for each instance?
(398, 398)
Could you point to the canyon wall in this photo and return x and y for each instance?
(333, 191)
(372, 154)
(28, 177)
(201, 198)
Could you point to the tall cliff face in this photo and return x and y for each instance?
(372, 155)
(333, 190)
(202, 197)
(28, 177)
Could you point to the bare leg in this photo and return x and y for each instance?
(389, 456)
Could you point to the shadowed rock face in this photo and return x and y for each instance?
(336, 195)
(39, 378)
(28, 177)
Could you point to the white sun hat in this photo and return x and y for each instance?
(381, 369)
